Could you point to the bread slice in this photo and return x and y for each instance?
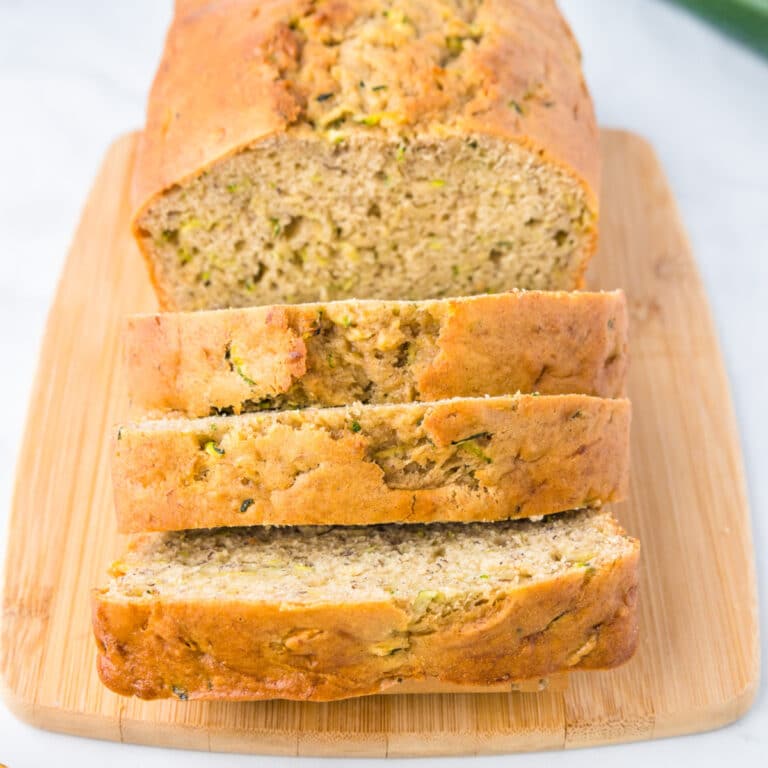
(451, 460)
(366, 148)
(319, 614)
(292, 356)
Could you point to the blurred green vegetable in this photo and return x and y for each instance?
(746, 20)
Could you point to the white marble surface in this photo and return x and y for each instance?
(74, 75)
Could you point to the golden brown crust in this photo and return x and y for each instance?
(473, 459)
(534, 341)
(521, 83)
(549, 342)
(234, 650)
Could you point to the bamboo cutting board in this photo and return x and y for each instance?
(698, 660)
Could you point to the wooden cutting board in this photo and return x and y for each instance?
(697, 664)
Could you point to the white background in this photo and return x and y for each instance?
(74, 75)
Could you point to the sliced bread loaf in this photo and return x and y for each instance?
(290, 356)
(320, 614)
(451, 460)
(369, 148)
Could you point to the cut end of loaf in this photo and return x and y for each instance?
(308, 217)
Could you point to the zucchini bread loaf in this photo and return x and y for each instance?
(292, 356)
(452, 460)
(307, 150)
(320, 614)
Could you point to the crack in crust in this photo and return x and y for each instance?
(335, 56)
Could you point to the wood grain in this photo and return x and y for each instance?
(697, 665)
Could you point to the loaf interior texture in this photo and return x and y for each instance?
(295, 356)
(305, 219)
(369, 149)
(453, 460)
(324, 613)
